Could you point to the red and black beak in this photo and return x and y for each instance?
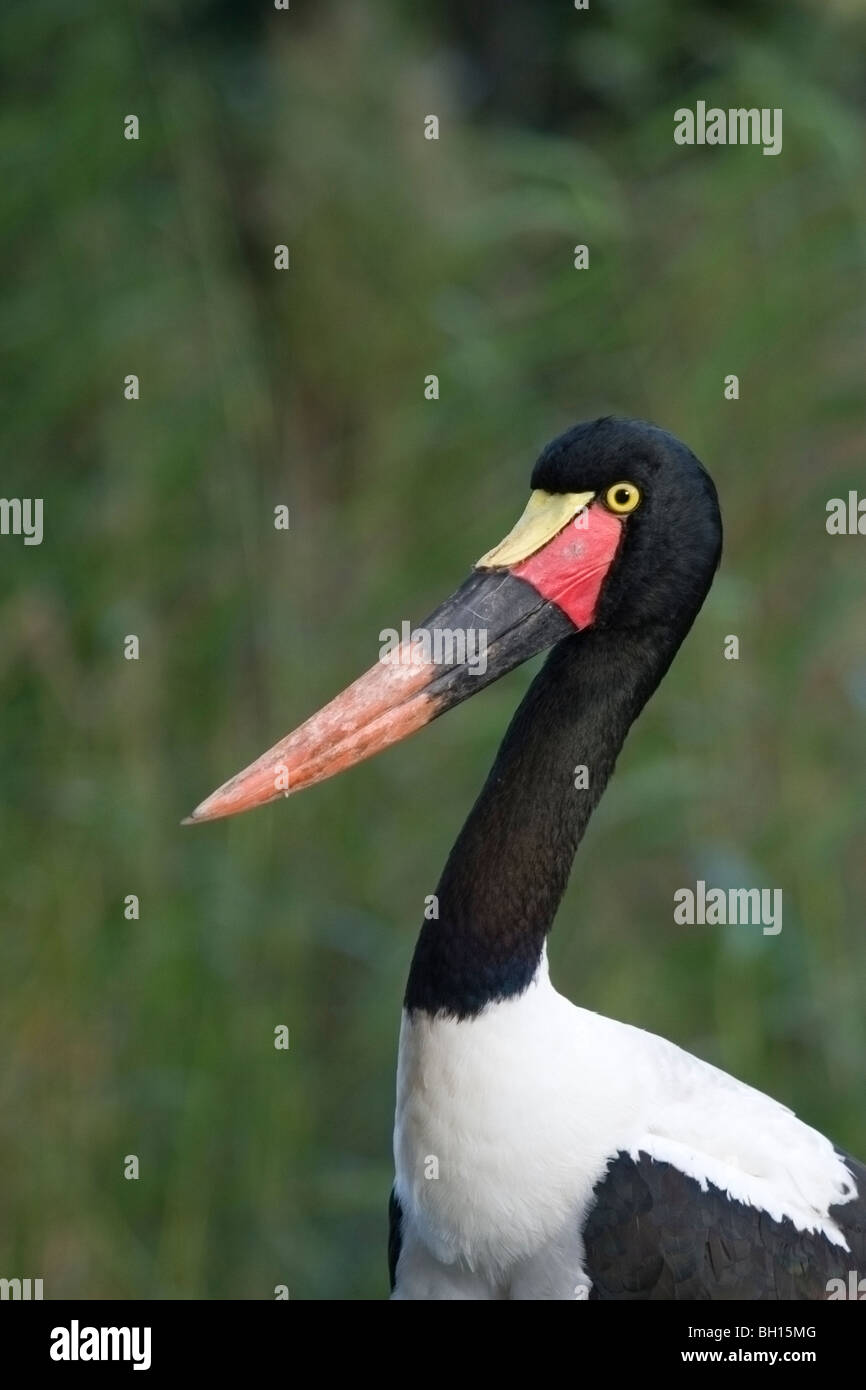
(540, 584)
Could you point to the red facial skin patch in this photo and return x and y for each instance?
(570, 570)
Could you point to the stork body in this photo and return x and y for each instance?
(543, 1151)
(580, 1157)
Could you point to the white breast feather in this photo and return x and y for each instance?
(521, 1109)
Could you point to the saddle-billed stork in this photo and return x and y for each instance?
(543, 1151)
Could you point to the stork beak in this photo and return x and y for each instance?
(540, 584)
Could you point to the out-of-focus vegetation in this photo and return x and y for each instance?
(408, 257)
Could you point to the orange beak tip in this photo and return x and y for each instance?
(208, 810)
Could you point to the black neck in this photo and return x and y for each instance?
(509, 867)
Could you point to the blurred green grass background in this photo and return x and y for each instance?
(409, 257)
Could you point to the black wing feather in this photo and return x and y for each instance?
(653, 1233)
(395, 1236)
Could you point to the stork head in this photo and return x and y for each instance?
(621, 531)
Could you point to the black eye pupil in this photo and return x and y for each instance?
(622, 496)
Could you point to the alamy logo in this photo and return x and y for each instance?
(22, 516)
(75, 1343)
(854, 1289)
(736, 907)
(438, 646)
(736, 126)
(846, 519)
(22, 1289)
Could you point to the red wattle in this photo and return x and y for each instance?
(570, 570)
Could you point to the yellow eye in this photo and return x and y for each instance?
(622, 498)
